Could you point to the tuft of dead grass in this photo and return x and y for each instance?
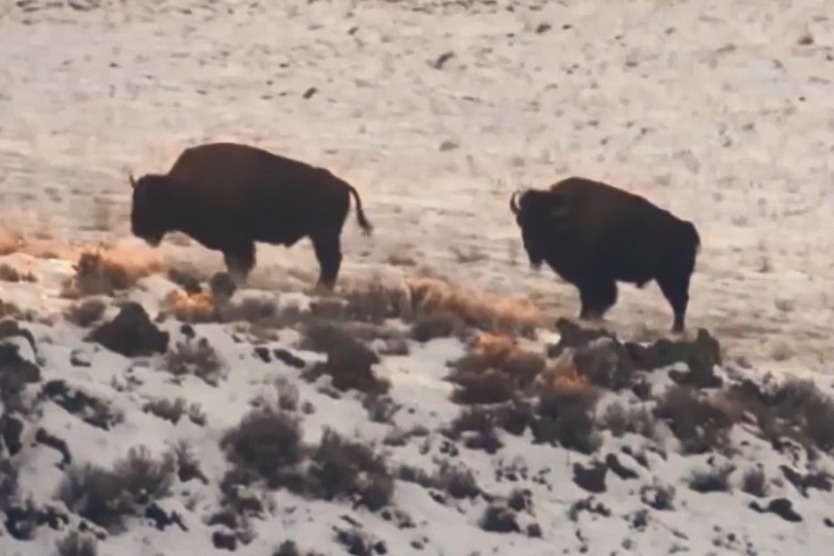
(105, 271)
(420, 297)
(196, 307)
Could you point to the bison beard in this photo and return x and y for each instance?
(228, 196)
(594, 235)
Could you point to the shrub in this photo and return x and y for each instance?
(267, 442)
(715, 479)
(349, 362)
(98, 273)
(621, 420)
(699, 424)
(340, 468)
(76, 544)
(195, 358)
(565, 416)
(480, 424)
(457, 481)
(86, 312)
(107, 496)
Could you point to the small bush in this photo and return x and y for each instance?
(86, 312)
(76, 544)
(715, 479)
(699, 424)
(97, 273)
(565, 417)
(267, 442)
(621, 420)
(8, 482)
(195, 358)
(477, 425)
(349, 362)
(491, 387)
(456, 481)
(498, 519)
(8, 273)
(106, 497)
(438, 325)
(166, 409)
(340, 468)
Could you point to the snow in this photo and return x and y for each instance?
(718, 111)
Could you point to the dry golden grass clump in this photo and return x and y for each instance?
(481, 310)
(190, 307)
(562, 374)
(104, 272)
(417, 297)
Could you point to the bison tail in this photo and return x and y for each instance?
(694, 237)
(366, 226)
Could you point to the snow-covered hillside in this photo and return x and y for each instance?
(392, 421)
(436, 112)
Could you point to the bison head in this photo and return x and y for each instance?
(150, 208)
(538, 213)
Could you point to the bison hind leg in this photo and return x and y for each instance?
(240, 260)
(327, 247)
(597, 295)
(676, 291)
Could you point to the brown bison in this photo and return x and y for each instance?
(594, 235)
(227, 196)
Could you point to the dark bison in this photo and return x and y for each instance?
(594, 235)
(227, 196)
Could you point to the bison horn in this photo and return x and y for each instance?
(513, 202)
(132, 181)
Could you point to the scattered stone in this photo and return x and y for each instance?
(43, 437)
(162, 519)
(79, 358)
(288, 358)
(262, 353)
(131, 333)
(442, 59)
(543, 28)
(590, 478)
(779, 506)
(623, 472)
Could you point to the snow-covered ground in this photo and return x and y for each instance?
(93, 402)
(720, 111)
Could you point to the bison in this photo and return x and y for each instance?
(227, 196)
(594, 235)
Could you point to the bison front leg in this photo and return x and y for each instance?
(240, 260)
(329, 255)
(597, 295)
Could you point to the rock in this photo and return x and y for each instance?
(79, 358)
(224, 541)
(700, 355)
(591, 478)
(571, 335)
(623, 472)
(162, 519)
(442, 59)
(131, 333)
(15, 371)
(820, 481)
(288, 358)
(11, 430)
(263, 354)
(781, 507)
(43, 437)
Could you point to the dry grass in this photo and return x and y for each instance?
(105, 271)
(562, 374)
(190, 307)
(417, 297)
(481, 310)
